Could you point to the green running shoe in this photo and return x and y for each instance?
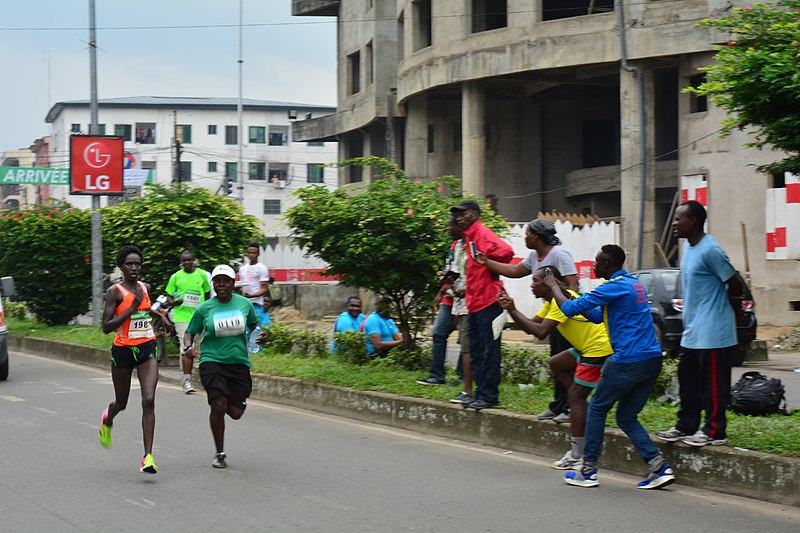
(148, 464)
(105, 431)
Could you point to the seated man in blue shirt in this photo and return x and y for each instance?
(350, 319)
(628, 376)
(381, 331)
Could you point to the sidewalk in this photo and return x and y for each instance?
(721, 469)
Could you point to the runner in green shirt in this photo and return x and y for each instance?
(187, 288)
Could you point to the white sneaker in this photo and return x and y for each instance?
(187, 386)
(561, 418)
(568, 462)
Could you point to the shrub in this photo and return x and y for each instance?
(280, 338)
(351, 347)
(310, 343)
(666, 388)
(414, 359)
(521, 364)
(16, 309)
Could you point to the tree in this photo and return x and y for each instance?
(756, 77)
(169, 219)
(47, 250)
(390, 239)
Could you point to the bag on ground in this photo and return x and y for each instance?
(756, 394)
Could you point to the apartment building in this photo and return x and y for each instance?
(568, 105)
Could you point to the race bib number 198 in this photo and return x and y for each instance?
(228, 323)
(141, 325)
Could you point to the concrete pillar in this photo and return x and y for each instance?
(473, 133)
(631, 169)
(416, 151)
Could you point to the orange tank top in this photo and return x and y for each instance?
(138, 329)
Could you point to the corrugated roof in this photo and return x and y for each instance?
(179, 102)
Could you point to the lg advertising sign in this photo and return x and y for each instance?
(96, 165)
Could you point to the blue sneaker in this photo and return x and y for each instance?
(656, 480)
(582, 478)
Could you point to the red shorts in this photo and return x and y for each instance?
(587, 373)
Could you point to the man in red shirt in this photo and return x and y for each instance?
(482, 289)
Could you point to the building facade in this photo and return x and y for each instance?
(569, 105)
(196, 140)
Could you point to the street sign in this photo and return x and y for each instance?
(96, 165)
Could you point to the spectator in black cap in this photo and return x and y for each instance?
(482, 288)
(546, 250)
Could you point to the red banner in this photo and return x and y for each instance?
(95, 165)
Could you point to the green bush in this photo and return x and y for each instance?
(523, 365)
(280, 339)
(666, 388)
(415, 359)
(15, 309)
(311, 343)
(351, 347)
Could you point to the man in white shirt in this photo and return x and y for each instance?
(254, 278)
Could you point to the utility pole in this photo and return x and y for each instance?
(239, 167)
(97, 227)
(178, 171)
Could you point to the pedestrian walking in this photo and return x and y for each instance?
(127, 311)
(712, 298)
(225, 322)
(254, 278)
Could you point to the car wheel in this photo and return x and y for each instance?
(4, 370)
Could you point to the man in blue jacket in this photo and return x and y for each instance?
(629, 375)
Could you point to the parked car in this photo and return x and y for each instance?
(663, 286)
(8, 291)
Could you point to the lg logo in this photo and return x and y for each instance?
(95, 157)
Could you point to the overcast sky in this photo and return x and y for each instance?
(148, 48)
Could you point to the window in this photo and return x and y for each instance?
(231, 170)
(354, 69)
(76, 128)
(697, 103)
(315, 173)
(212, 166)
(369, 64)
(124, 131)
(148, 165)
(315, 143)
(185, 171)
(422, 24)
(401, 36)
(457, 137)
(278, 135)
(145, 133)
(599, 143)
(101, 129)
(257, 134)
(272, 207)
(561, 9)
(257, 171)
(212, 129)
(183, 133)
(431, 145)
(230, 135)
(278, 172)
(491, 14)
(354, 148)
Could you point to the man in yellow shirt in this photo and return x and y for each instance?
(577, 368)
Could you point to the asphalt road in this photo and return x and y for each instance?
(293, 470)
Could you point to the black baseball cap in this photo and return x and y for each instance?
(467, 204)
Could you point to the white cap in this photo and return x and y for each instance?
(223, 270)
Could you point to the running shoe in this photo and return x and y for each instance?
(219, 461)
(673, 434)
(657, 480)
(462, 398)
(546, 415)
(187, 386)
(105, 431)
(701, 439)
(148, 464)
(582, 478)
(561, 418)
(431, 381)
(568, 462)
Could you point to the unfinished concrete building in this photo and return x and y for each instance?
(567, 105)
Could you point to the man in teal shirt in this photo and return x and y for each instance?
(187, 289)
(349, 320)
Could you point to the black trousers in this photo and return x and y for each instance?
(704, 377)
(560, 403)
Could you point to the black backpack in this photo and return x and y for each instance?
(756, 394)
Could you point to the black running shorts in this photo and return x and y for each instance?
(232, 381)
(133, 356)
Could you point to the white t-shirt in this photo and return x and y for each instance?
(558, 257)
(251, 276)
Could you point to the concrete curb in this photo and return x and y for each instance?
(721, 469)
